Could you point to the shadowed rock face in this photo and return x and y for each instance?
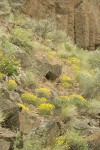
(79, 18)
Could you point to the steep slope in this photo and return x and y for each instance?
(80, 19)
(49, 87)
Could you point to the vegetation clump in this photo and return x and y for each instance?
(46, 108)
(2, 75)
(60, 101)
(11, 84)
(76, 141)
(21, 38)
(43, 92)
(66, 81)
(8, 65)
(29, 98)
(24, 108)
(61, 143)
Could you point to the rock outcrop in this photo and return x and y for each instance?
(79, 18)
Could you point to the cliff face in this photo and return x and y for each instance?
(79, 18)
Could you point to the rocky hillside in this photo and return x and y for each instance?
(49, 86)
(79, 18)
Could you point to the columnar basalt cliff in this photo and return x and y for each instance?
(79, 18)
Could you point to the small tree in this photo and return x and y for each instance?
(43, 27)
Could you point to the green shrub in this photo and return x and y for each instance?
(21, 37)
(4, 6)
(60, 101)
(57, 36)
(66, 81)
(75, 141)
(89, 84)
(43, 92)
(94, 59)
(1, 76)
(46, 108)
(78, 100)
(68, 112)
(29, 98)
(11, 84)
(8, 65)
(61, 143)
(94, 108)
(30, 79)
(43, 27)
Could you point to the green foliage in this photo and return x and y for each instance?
(76, 142)
(46, 108)
(8, 65)
(43, 92)
(29, 98)
(21, 38)
(4, 6)
(11, 84)
(94, 108)
(1, 76)
(8, 47)
(46, 28)
(43, 27)
(60, 101)
(89, 84)
(30, 79)
(57, 36)
(68, 112)
(78, 101)
(94, 59)
(72, 100)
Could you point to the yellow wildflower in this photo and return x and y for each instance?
(76, 97)
(11, 84)
(73, 60)
(65, 79)
(0, 54)
(59, 140)
(23, 107)
(29, 98)
(43, 92)
(45, 108)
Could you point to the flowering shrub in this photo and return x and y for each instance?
(75, 141)
(43, 92)
(73, 60)
(9, 65)
(75, 63)
(66, 81)
(78, 101)
(42, 100)
(75, 67)
(59, 140)
(21, 37)
(52, 55)
(77, 97)
(11, 84)
(61, 143)
(45, 108)
(23, 107)
(1, 76)
(29, 98)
